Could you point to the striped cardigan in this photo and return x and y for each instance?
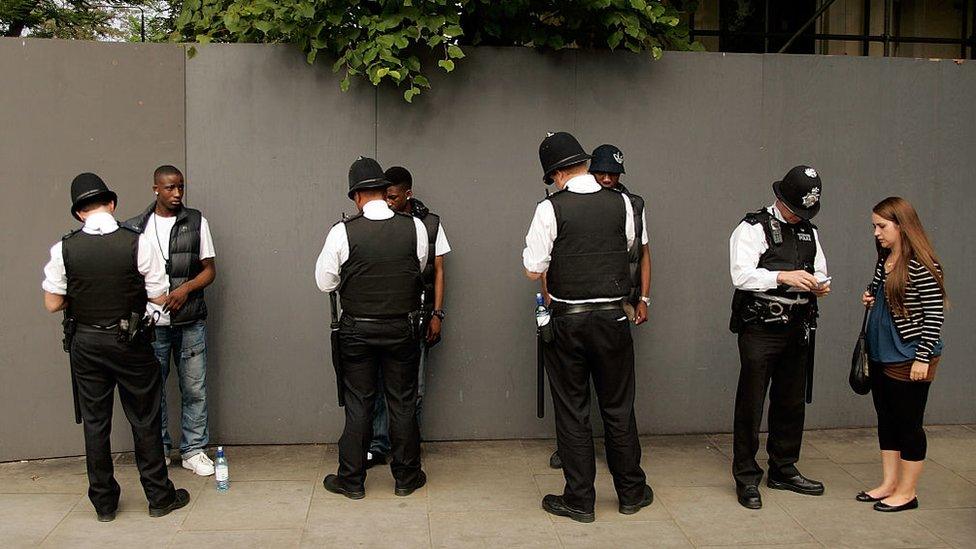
(924, 302)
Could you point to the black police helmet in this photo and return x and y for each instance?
(366, 173)
(87, 188)
(800, 190)
(607, 159)
(559, 150)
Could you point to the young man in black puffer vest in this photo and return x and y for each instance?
(181, 236)
(399, 196)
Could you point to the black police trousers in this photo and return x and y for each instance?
(368, 348)
(594, 344)
(773, 357)
(100, 363)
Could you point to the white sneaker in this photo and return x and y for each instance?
(199, 464)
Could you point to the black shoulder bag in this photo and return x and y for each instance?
(859, 377)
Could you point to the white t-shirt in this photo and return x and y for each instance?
(157, 231)
(441, 246)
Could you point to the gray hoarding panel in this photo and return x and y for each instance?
(68, 107)
(270, 141)
(872, 130)
(689, 128)
(472, 146)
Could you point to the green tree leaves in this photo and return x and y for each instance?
(385, 40)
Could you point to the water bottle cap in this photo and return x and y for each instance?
(220, 451)
(538, 299)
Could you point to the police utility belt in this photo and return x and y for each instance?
(558, 308)
(766, 308)
(138, 327)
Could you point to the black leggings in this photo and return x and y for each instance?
(901, 409)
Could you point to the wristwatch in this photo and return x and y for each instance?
(439, 313)
(645, 299)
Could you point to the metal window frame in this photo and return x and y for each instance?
(967, 38)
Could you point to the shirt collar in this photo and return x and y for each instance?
(377, 210)
(100, 223)
(776, 213)
(583, 184)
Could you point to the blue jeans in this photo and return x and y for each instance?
(187, 345)
(381, 419)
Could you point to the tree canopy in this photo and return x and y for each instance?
(386, 40)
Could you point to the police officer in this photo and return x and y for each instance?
(607, 165)
(578, 241)
(374, 259)
(102, 275)
(779, 270)
(400, 198)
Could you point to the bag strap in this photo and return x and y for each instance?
(867, 310)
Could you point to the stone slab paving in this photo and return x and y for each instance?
(487, 494)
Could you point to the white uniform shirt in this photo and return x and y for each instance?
(542, 232)
(158, 230)
(335, 252)
(748, 243)
(150, 266)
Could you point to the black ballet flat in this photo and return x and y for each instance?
(885, 508)
(865, 498)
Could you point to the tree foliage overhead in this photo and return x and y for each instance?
(386, 40)
(115, 20)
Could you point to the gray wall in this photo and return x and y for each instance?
(268, 144)
(67, 108)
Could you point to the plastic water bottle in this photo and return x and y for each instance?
(541, 312)
(221, 472)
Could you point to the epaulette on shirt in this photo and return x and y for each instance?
(752, 218)
(551, 195)
(70, 234)
(347, 219)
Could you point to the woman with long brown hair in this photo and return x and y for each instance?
(904, 337)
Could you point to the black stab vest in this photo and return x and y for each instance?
(797, 251)
(104, 282)
(589, 256)
(184, 260)
(381, 278)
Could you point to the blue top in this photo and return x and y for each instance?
(884, 343)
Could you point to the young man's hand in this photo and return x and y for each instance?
(176, 299)
(434, 330)
(640, 313)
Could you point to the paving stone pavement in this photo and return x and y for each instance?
(487, 494)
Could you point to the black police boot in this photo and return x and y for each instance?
(332, 484)
(749, 496)
(181, 499)
(797, 483)
(411, 488)
(555, 462)
(644, 502)
(555, 505)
